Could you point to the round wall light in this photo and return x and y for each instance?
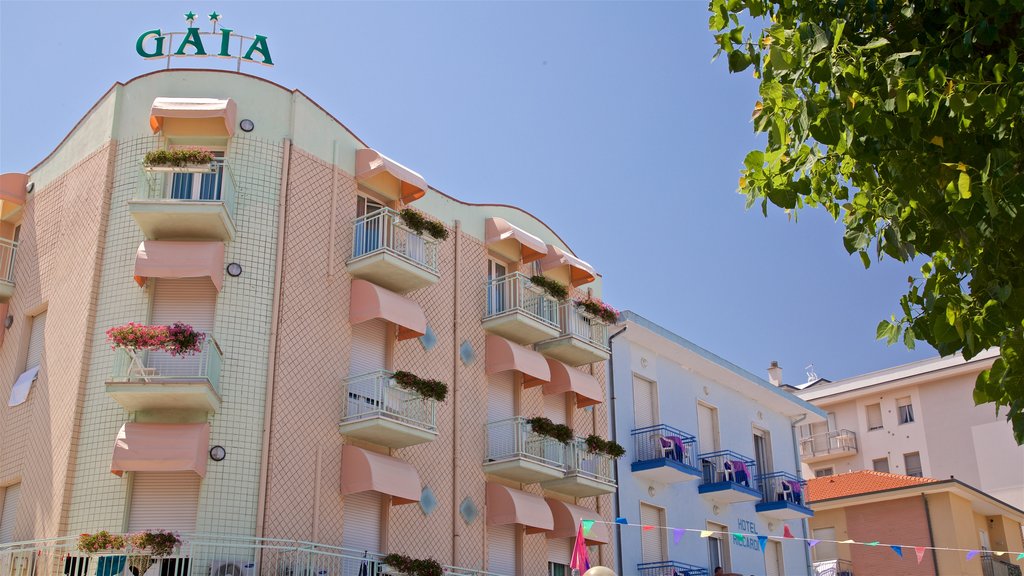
(234, 269)
(246, 125)
(218, 453)
(30, 187)
(8, 321)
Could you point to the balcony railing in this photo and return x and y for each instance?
(214, 184)
(664, 442)
(782, 487)
(670, 568)
(8, 250)
(833, 568)
(594, 465)
(515, 438)
(375, 395)
(835, 442)
(383, 231)
(576, 322)
(158, 366)
(515, 293)
(728, 466)
(992, 566)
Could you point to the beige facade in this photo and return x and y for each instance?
(284, 204)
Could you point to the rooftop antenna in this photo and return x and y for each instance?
(811, 375)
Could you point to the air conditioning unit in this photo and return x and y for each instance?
(232, 568)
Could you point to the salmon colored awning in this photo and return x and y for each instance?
(567, 379)
(498, 233)
(161, 448)
(12, 188)
(567, 522)
(579, 271)
(364, 470)
(369, 301)
(222, 112)
(385, 176)
(175, 259)
(510, 506)
(503, 355)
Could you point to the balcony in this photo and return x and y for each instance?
(670, 568)
(833, 568)
(583, 340)
(828, 445)
(782, 496)
(378, 410)
(388, 254)
(517, 453)
(728, 477)
(992, 566)
(186, 203)
(8, 250)
(148, 380)
(586, 473)
(663, 454)
(520, 311)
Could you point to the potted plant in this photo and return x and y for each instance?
(424, 387)
(157, 542)
(178, 339)
(546, 427)
(598, 309)
(597, 445)
(412, 566)
(191, 159)
(101, 541)
(554, 288)
(419, 224)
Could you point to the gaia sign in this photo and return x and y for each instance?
(153, 44)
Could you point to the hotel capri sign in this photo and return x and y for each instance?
(222, 43)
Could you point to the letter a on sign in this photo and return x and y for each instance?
(259, 45)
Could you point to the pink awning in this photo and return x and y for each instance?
(510, 506)
(369, 301)
(161, 448)
(193, 109)
(567, 521)
(384, 175)
(363, 470)
(566, 379)
(579, 271)
(176, 259)
(12, 188)
(503, 355)
(498, 230)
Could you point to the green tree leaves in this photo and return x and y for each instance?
(917, 107)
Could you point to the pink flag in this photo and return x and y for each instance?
(579, 560)
(919, 550)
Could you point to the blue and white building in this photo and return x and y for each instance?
(709, 446)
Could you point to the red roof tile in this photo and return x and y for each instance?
(862, 482)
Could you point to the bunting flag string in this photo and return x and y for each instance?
(678, 533)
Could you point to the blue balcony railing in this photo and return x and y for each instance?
(663, 445)
(670, 568)
(782, 487)
(728, 467)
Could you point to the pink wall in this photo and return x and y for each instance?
(900, 521)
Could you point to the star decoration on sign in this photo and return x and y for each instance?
(214, 17)
(190, 16)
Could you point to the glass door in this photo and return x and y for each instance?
(497, 290)
(189, 186)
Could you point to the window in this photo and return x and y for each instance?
(826, 548)
(188, 186)
(558, 569)
(559, 555)
(645, 402)
(33, 359)
(652, 542)
(874, 412)
(880, 464)
(718, 547)
(762, 452)
(498, 290)
(905, 409)
(9, 498)
(707, 428)
(821, 472)
(912, 464)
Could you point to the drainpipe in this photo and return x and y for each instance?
(456, 541)
(796, 456)
(611, 393)
(931, 536)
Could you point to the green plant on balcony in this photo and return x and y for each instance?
(425, 387)
(157, 542)
(598, 309)
(99, 542)
(554, 288)
(179, 339)
(419, 224)
(597, 445)
(178, 157)
(413, 566)
(545, 427)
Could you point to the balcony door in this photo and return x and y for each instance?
(497, 292)
(501, 407)
(707, 428)
(370, 230)
(187, 186)
(361, 525)
(763, 454)
(192, 301)
(645, 402)
(164, 501)
(652, 542)
(367, 355)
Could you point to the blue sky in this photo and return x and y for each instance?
(606, 120)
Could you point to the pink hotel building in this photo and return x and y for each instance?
(285, 446)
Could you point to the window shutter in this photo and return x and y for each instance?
(164, 501)
(827, 549)
(560, 550)
(772, 558)
(35, 341)
(501, 398)
(9, 514)
(706, 440)
(192, 301)
(361, 521)
(369, 347)
(644, 408)
(874, 413)
(652, 542)
(501, 549)
(554, 407)
(912, 463)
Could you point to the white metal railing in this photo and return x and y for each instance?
(8, 250)
(581, 461)
(516, 293)
(515, 438)
(215, 184)
(383, 231)
(833, 568)
(161, 366)
(832, 442)
(201, 555)
(577, 322)
(375, 395)
(991, 566)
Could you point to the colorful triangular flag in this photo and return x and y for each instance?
(579, 559)
(706, 533)
(971, 554)
(898, 550)
(812, 543)
(621, 520)
(677, 535)
(587, 525)
(875, 543)
(1020, 556)
(999, 553)
(919, 550)
(648, 528)
(786, 532)
(763, 541)
(848, 542)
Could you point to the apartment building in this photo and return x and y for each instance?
(709, 447)
(918, 419)
(372, 353)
